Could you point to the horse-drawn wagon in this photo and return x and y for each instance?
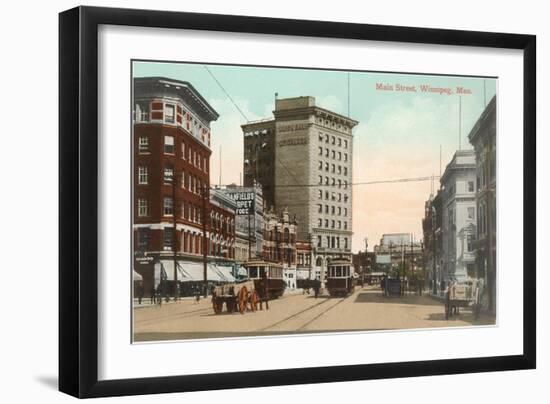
(265, 282)
(463, 295)
(236, 297)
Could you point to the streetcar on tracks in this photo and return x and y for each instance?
(340, 277)
(267, 277)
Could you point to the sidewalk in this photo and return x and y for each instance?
(146, 301)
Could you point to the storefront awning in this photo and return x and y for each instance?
(189, 271)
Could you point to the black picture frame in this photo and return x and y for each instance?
(78, 200)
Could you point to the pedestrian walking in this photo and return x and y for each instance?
(140, 292)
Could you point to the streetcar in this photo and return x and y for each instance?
(267, 277)
(340, 277)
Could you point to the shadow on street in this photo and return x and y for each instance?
(377, 297)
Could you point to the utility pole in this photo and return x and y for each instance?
(204, 240)
(434, 248)
(174, 235)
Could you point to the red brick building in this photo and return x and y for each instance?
(171, 182)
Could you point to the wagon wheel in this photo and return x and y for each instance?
(242, 299)
(254, 300)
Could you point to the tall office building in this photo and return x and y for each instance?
(310, 153)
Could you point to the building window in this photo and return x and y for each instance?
(469, 239)
(326, 222)
(339, 142)
(345, 243)
(320, 165)
(142, 238)
(320, 223)
(332, 210)
(333, 140)
(143, 144)
(320, 194)
(169, 114)
(326, 180)
(471, 213)
(345, 225)
(333, 154)
(169, 144)
(168, 238)
(142, 207)
(326, 152)
(320, 208)
(339, 155)
(345, 184)
(345, 157)
(345, 171)
(339, 169)
(333, 167)
(168, 174)
(319, 241)
(326, 138)
(470, 186)
(332, 224)
(326, 166)
(345, 144)
(168, 206)
(320, 151)
(326, 208)
(320, 179)
(339, 224)
(320, 137)
(183, 150)
(345, 211)
(339, 210)
(143, 175)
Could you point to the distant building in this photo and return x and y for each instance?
(259, 158)
(249, 213)
(459, 216)
(222, 225)
(397, 252)
(483, 138)
(304, 253)
(280, 234)
(431, 227)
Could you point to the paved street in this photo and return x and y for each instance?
(365, 309)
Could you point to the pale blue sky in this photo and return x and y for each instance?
(399, 134)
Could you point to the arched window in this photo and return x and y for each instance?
(319, 262)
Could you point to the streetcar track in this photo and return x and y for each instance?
(184, 315)
(295, 315)
(306, 310)
(321, 314)
(178, 315)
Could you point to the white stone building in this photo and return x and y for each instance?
(459, 217)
